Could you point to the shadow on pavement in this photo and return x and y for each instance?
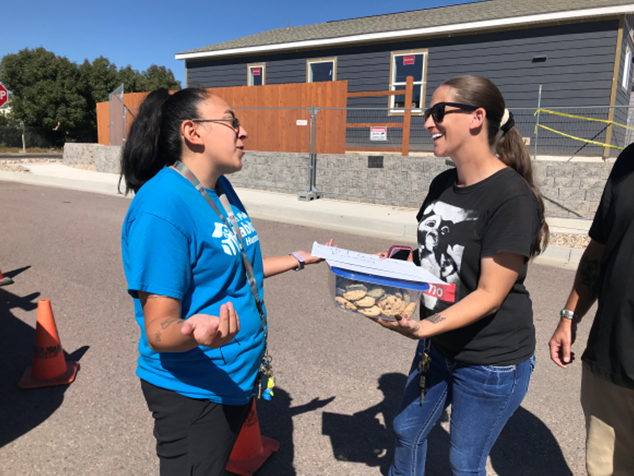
(526, 447)
(13, 273)
(22, 410)
(362, 437)
(276, 421)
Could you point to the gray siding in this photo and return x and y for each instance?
(577, 73)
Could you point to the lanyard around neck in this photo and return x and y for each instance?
(233, 227)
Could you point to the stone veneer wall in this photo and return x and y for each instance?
(569, 188)
(105, 158)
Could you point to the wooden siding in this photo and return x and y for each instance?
(578, 70)
(273, 127)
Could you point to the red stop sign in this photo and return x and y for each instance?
(4, 95)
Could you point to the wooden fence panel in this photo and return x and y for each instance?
(274, 129)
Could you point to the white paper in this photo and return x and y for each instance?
(371, 264)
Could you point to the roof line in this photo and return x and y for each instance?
(387, 35)
(406, 11)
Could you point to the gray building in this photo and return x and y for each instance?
(580, 51)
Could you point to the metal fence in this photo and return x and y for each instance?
(117, 113)
(24, 137)
(291, 151)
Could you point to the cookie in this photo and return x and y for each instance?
(356, 287)
(376, 293)
(408, 312)
(345, 304)
(370, 311)
(365, 302)
(355, 295)
(391, 306)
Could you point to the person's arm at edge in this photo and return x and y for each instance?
(274, 265)
(583, 294)
(167, 332)
(498, 275)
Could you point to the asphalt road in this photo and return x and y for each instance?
(339, 377)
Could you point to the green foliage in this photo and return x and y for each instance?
(54, 94)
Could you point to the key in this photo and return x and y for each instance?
(259, 393)
(423, 367)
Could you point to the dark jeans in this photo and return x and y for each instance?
(193, 437)
(482, 398)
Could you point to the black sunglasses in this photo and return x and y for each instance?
(235, 123)
(437, 111)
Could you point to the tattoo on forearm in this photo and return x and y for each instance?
(167, 322)
(589, 276)
(157, 337)
(435, 319)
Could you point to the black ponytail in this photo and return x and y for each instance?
(510, 148)
(155, 139)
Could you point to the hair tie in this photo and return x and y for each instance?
(507, 121)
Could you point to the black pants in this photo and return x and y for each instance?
(193, 437)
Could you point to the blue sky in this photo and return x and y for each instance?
(141, 33)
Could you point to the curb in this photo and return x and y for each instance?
(301, 213)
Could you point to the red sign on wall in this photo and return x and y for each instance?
(408, 60)
(256, 71)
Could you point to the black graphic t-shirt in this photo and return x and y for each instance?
(457, 228)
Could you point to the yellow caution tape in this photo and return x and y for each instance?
(579, 138)
(547, 111)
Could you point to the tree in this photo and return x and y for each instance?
(160, 77)
(46, 92)
(57, 95)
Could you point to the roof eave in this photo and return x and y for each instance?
(389, 35)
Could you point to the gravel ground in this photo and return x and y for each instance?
(16, 165)
(571, 240)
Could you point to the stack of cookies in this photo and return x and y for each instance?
(383, 302)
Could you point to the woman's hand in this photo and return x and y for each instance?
(310, 259)
(407, 327)
(212, 331)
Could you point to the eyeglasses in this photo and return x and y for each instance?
(235, 123)
(437, 111)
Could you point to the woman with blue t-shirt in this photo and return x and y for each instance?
(194, 268)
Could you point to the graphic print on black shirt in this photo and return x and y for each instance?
(441, 247)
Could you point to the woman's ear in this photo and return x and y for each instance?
(190, 129)
(478, 117)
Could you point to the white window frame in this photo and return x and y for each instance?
(250, 76)
(332, 60)
(627, 69)
(423, 82)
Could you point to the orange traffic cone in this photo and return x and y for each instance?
(49, 366)
(251, 449)
(5, 281)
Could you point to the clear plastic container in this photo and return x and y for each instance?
(375, 296)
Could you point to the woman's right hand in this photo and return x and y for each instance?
(212, 331)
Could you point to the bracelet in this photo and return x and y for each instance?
(300, 260)
(567, 314)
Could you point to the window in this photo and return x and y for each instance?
(404, 64)
(319, 70)
(627, 69)
(256, 74)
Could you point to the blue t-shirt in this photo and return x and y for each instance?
(174, 244)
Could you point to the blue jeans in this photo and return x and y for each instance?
(482, 399)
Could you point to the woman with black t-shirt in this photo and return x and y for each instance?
(479, 225)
